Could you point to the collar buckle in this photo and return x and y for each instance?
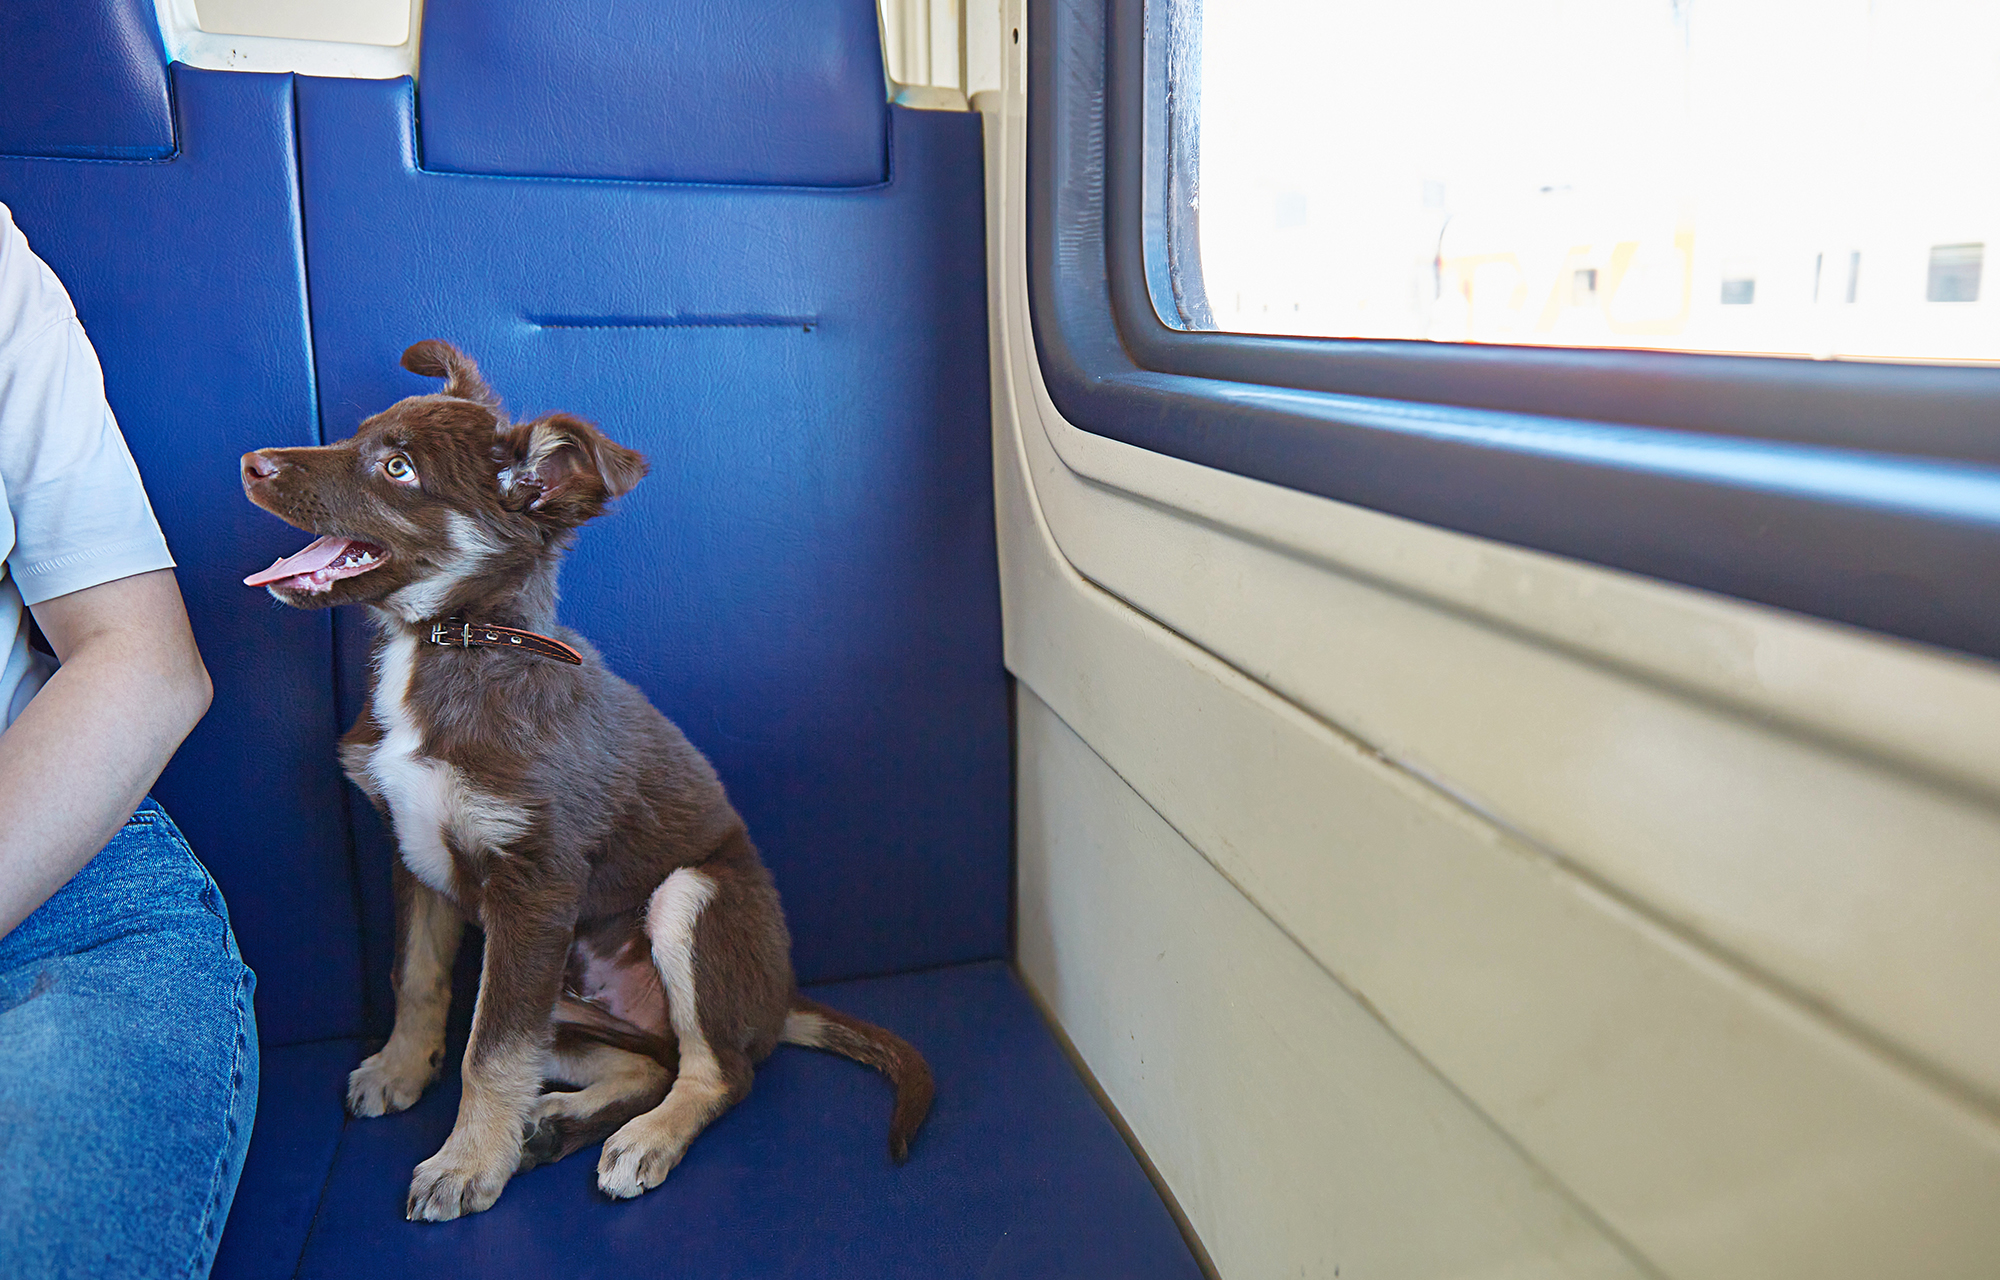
(449, 635)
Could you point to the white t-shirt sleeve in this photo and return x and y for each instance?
(78, 507)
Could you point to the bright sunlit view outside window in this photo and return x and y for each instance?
(1789, 177)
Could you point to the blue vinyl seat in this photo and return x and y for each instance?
(1018, 1173)
(708, 232)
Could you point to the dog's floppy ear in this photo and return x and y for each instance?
(436, 358)
(564, 470)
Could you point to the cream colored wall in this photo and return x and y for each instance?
(1204, 1020)
(938, 53)
(946, 44)
(1457, 910)
(362, 39)
(385, 22)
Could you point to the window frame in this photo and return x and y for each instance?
(1769, 479)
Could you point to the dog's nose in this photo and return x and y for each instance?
(258, 466)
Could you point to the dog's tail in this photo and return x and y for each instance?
(812, 1024)
(581, 1020)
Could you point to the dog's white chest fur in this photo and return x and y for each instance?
(428, 798)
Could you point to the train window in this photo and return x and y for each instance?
(380, 22)
(1522, 271)
(1648, 174)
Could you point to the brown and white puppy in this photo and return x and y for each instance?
(628, 917)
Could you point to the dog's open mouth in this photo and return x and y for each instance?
(320, 565)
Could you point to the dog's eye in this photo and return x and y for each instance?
(398, 468)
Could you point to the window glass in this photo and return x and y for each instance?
(1788, 177)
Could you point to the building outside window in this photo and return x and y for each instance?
(1954, 273)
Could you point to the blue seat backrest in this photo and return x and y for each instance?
(83, 80)
(668, 90)
(807, 580)
(188, 272)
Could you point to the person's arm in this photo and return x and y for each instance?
(84, 751)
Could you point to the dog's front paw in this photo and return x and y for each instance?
(388, 1082)
(447, 1186)
(638, 1158)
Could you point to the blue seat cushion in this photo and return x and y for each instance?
(1018, 1173)
(669, 90)
(189, 276)
(297, 1132)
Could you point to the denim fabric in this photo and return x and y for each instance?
(128, 1067)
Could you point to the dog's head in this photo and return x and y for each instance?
(435, 496)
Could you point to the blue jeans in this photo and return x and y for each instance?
(128, 1066)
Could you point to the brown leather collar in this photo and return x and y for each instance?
(457, 633)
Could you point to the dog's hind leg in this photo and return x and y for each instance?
(726, 1011)
(614, 1086)
(428, 932)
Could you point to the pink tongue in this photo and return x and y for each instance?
(319, 555)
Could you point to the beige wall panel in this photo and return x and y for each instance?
(350, 21)
(1872, 890)
(367, 39)
(1691, 899)
(1719, 1128)
(1302, 1137)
